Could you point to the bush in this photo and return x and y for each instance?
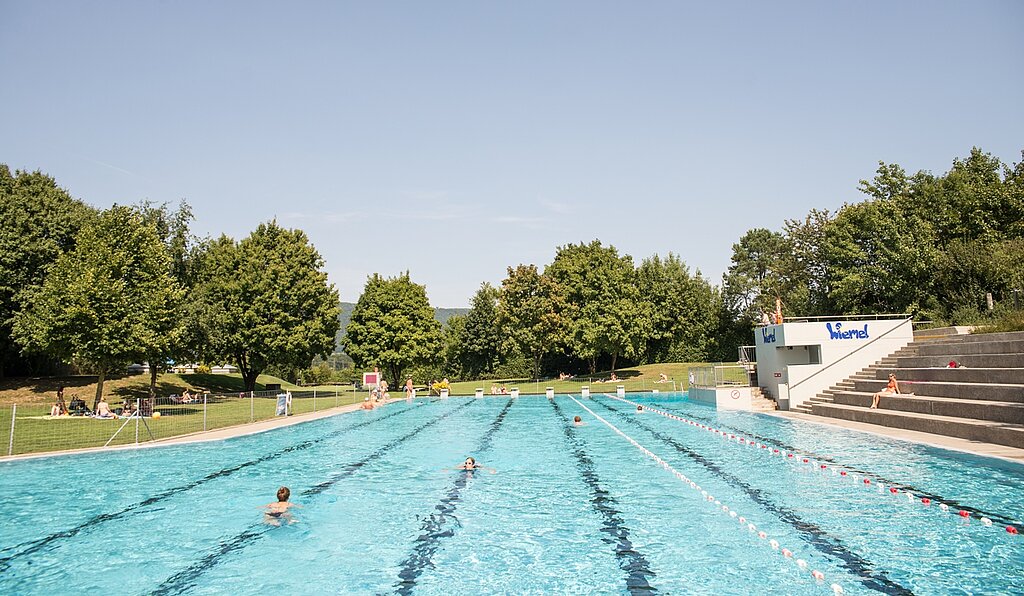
(1009, 320)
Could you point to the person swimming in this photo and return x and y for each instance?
(470, 465)
(274, 512)
(639, 409)
(577, 421)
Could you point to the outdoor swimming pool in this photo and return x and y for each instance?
(571, 509)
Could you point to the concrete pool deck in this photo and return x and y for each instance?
(941, 441)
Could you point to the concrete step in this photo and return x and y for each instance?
(983, 337)
(996, 411)
(985, 391)
(949, 375)
(961, 348)
(968, 360)
(975, 430)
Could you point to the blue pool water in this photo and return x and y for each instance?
(570, 510)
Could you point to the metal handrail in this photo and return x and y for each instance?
(875, 317)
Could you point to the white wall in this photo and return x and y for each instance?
(783, 353)
(724, 398)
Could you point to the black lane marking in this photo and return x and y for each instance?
(637, 568)
(936, 499)
(38, 544)
(185, 579)
(815, 535)
(442, 523)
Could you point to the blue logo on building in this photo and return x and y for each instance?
(769, 338)
(839, 333)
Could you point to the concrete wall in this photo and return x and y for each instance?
(809, 357)
(724, 398)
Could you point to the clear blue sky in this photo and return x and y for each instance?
(454, 139)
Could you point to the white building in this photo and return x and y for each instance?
(798, 360)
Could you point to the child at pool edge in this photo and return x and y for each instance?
(274, 512)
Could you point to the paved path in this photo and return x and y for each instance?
(954, 443)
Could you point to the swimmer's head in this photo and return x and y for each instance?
(283, 493)
(470, 461)
(577, 419)
(639, 408)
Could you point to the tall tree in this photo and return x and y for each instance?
(38, 223)
(881, 259)
(757, 276)
(392, 326)
(266, 301)
(529, 313)
(683, 311)
(98, 304)
(171, 324)
(604, 314)
(480, 349)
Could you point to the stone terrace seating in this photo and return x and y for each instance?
(982, 402)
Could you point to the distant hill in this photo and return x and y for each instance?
(441, 314)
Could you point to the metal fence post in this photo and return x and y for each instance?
(314, 400)
(204, 411)
(337, 398)
(252, 406)
(138, 416)
(10, 443)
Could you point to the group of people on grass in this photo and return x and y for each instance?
(77, 407)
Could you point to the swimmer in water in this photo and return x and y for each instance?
(274, 512)
(577, 421)
(639, 409)
(470, 465)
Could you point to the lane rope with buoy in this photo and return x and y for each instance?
(722, 508)
(836, 471)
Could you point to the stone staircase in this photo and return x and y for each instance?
(983, 401)
(761, 401)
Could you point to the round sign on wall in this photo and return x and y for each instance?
(735, 393)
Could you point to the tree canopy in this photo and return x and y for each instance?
(393, 327)
(266, 301)
(40, 223)
(100, 299)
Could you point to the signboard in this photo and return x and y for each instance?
(371, 379)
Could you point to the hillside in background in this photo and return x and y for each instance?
(441, 314)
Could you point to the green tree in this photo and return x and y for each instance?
(393, 327)
(881, 259)
(38, 223)
(453, 339)
(603, 310)
(171, 324)
(98, 304)
(758, 274)
(682, 311)
(529, 314)
(265, 301)
(480, 351)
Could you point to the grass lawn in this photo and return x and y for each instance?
(33, 432)
(22, 390)
(637, 378)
